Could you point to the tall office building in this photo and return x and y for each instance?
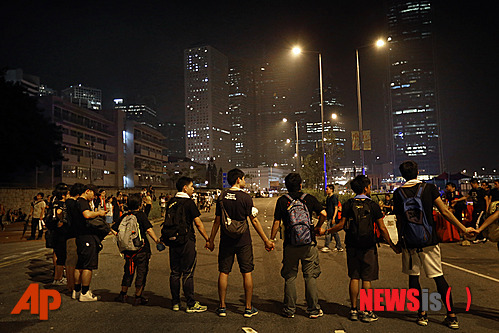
(274, 137)
(242, 112)
(85, 97)
(140, 113)
(414, 108)
(174, 143)
(207, 118)
(29, 82)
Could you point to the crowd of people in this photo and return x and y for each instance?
(72, 217)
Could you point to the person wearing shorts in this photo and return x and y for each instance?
(428, 257)
(239, 206)
(362, 256)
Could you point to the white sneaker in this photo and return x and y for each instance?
(325, 249)
(75, 295)
(88, 297)
(59, 283)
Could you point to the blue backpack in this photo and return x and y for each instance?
(415, 228)
(300, 222)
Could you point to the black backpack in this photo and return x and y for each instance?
(360, 228)
(175, 228)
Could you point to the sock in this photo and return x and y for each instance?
(442, 287)
(84, 289)
(77, 288)
(414, 284)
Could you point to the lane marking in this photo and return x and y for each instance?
(22, 259)
(471, 272)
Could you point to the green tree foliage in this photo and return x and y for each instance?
(27, 138)
(313, 164)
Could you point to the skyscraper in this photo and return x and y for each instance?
(85, 97)
(140, 113)
(207, 118)
(414, 108)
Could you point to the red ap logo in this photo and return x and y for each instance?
(39, 301)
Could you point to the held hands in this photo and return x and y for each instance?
(269, 245)
(210, 245)
(470, 231)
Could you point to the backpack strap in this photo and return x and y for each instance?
(420, 190)
(288, 196)
(303, 196)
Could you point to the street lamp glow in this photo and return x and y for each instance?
(296, 50)
(285, 119)
(288, 140)
(334, 116)
(380, 43)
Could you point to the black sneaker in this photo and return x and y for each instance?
(354, 315)
(451, 322)
(368, 316)
(422, 319)
(139, 300)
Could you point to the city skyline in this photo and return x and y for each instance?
(465, 80)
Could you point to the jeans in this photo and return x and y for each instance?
(182, 265)
(309, 257)
(337, 239)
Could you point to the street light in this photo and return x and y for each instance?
(379, 43)
(296, 51)
(297, 153)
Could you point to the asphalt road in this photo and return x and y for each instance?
(23, 262)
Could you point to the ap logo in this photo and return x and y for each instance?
(39, 301)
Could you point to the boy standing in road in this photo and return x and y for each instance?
(427, 257)
(299, 245)
(332, 214)
(37, 213)
(238, 206)
(359, 216)
(183, 257)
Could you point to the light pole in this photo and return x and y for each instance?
(297, 153)
(379, 43)
(297, 51)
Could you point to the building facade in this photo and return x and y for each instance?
(85, 97)
(207, 118)
(174, 143)
(140, 113)
(414, 114)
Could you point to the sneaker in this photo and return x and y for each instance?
(341, 249)
(75, 294)
(122, 298)
(286, 314)
(422, 319)
(466, 243)
(335, 250)
(477, 241)
(58, 283)
(196, 308)
(88, 297)
(325, 249)
(368, 316)
(248, 313)
(316, 315)
(354, 315)
(176, 307)
(139, 300)
(451, 322)
(221, 312)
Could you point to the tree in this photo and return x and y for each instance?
(27, 138)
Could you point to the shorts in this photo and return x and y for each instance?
(87, 249)
(71, 253)
(244, 258)
(60, 250)
(429, 259)
(362, 263)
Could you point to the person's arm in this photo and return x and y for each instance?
(446, 213)
(335, 213)
(214, 230)
(322, 219)
(386, 236)
(88, 214)
(336, 228)
(152, 234)
(275, 228)
(199, 224)
(269, 246)
(488, 221)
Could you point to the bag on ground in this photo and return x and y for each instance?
(301, 228)
(129, 236)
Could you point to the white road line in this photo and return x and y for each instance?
(471, 272)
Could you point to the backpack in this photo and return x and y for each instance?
(360, 228)
(415, 229)
(50, 219)
(129, 236)
(175, 228)
(301, 229)
(232, 228)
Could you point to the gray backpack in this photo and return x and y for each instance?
(129, 237)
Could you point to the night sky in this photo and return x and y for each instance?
(134, 50)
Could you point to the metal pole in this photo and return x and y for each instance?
(322, 121)
(359, 108)
(298, 163)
